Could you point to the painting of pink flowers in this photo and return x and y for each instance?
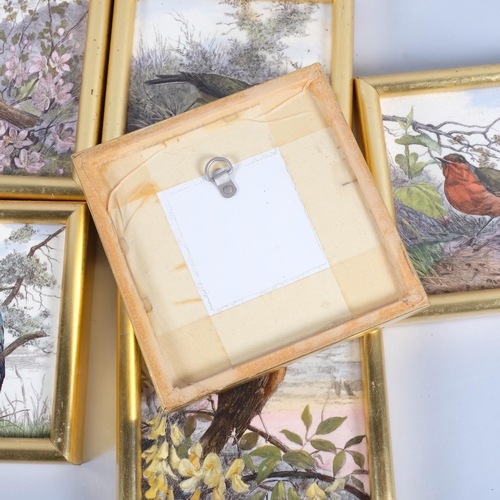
(41, 59)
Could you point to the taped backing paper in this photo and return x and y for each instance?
(199, 344)
(243, 247)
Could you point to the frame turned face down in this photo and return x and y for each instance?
(44, 254)
(431, 138)
(368, 278)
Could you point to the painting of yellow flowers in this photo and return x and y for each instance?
(296, 433)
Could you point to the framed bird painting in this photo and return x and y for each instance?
(44, 85)
(432, 142)
(46, 262)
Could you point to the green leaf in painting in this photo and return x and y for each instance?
(422, 197)
(291, 436)
(204, 416)
(249, 462)
(353, 441)
(279, 491)
(299, 459)
(248, 440)
(266, 467)
(307, 417)
(329, 425)
(402, 124)
(272, 457)
(419, 140)
(183, 450)
(359, 458)
(190, 425)
(259, 495)
(409, 118)
(338, 462)
(402, 161)
(360, 471)
(267, 451)
(292, 494)
(323, 445)
(359, 484)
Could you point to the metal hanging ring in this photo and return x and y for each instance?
(229, 168)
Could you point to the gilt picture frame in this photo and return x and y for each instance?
(415, 127)
(45, 329)
(53, 59)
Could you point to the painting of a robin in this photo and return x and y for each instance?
(469, 189)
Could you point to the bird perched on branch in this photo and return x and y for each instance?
(237, 407)
(471, 190)
(17, 117)
(209, 85)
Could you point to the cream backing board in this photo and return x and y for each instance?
(241, 248)
(190, 353)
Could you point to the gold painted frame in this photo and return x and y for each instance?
(70, 384)
(89, 115)
(129, 475)
(369, 92)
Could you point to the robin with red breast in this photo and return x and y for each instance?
(469, 189)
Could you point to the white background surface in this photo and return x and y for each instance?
(443, 377)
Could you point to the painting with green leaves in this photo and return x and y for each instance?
(296, 433)
(444, 157)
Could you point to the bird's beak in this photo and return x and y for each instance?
(442, 160)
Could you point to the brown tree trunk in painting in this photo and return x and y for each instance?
(237, 407)
(16, 117)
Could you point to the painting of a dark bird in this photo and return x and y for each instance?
(210, 86)
(237, 407)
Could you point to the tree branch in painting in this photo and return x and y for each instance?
(41, 58)
(452, 250)
(26, 280)
(249, 463)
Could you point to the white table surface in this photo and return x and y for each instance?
(442, 377)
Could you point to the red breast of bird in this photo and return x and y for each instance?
(466, 193)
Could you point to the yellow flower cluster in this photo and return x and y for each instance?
(162, 462)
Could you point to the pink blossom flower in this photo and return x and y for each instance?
(3, 127)
(30, 162)
(39, 66)
(25, 41)
(12, 48)
(5, 152)
(60, 31)
(59, 62)
(16, 71)
(19, 138)
(60, 171)
(64, 138)
(44, 93)
(61, 91)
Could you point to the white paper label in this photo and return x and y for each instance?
(243, 247)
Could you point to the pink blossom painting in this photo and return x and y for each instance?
(41, 59)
